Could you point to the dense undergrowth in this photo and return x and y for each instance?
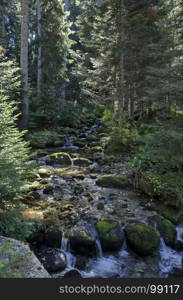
(155, 147)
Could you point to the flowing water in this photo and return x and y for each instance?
(123, 206)
(65, 248)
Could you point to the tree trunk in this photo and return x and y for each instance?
(121, 88)
(38, 5)
(62, 97)
(24, 62)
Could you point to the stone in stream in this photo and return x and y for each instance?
(166, 228)
(81, 262)
(143, 239)
(82, 242)
(110, 234)
(72, 274)
(44, 172)
(176, 273)
(110, 181)
(59, 158)
(53, 237)
(82, 162)
(48, 189)
(52, 259)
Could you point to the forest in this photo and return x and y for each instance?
(91, 139)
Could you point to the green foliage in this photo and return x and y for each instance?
(122, 138)
(14, 155)
(11, 261)
(13, 225)
(45, 138)
(159, 161)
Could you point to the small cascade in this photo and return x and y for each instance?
(99, 248)
(169, 258)
(94, 233)
(65, 248)
(179, 230)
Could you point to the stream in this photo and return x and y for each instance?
(88, 203)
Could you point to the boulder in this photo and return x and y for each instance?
(48, 189)
(110, 234)
(82, 162)
(176, 273)
(59, 159)
(82, 242)
(167, 229)
(53, 237)
(81, 262)
(52, 259)
(143, 239)
(19, 260)
(72, 274)
(37, 237)
(109, 181)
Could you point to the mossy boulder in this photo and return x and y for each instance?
(48, 189)
(60, 158)
(167, 230)
(143, 239)
(52, 259)
(44, 172)
(53, 237)
(110, 234)
(82, 242)
(82, 162)
(109, 181)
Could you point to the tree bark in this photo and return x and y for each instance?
(24, 61)
(121, 88)
(39, 71)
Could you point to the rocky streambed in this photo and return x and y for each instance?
(89, 220)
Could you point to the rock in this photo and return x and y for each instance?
(178, 245)
(78, 189)
(82, 162)
(81, 262)
(80, 176)
(26, 264)
(110, 235)
(93, 176)
(72, 274)
(167, 229)
(52, 259)
(59, 158)
(53, 237)
(176, 273)
(100, 206)
(79, 143)
(37, 237)
(109, 181)
(43, 171)
(82, 242)
(48, 189)
(143, 239)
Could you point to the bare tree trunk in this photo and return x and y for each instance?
(2, 31)
(39, 48)
(121, 88)
(24, 61)
(62, 98)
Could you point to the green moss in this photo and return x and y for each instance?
(110, 234)
(109, 181)
(167, 230)
(82, 162)
(142, 239)
(105, 226)
(59, 158)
